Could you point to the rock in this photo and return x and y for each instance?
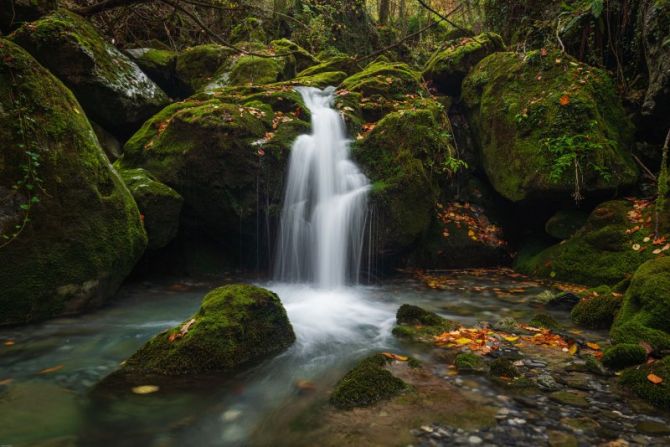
(448, 66)
(112, 89)
(545, 321)
(580, 423)
(602, 252)
(197, 66)
(623, 355)
(160, 65)
(299, 60)
(80, 230)
(597, 308)
(237, 325)
(13, 13)
(565, 223)
(417, 324)
(337, 63)
(645, 313)
(159, 205)
(655, 19)
(470, 364)
(547, 382)
(551, 112)
(255, 70)
(249, 29)
(113, 149)
(573, 398)
(561, 439)
(502, 367)
(217, 151)
(368, 383)
(563, 301)
(653, 428)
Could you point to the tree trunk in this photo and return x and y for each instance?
(384, 7)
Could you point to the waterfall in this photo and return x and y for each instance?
(325, 203)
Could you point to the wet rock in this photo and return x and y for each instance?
(564, 301)
(573, 398)
(565, 223)
(547, 382)
(561, 439)
(470, 364)
(653, 428)
(417, 324)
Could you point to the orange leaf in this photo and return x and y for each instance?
(400, 358)
(52, 369)
(653, 378)
(594, 346)
(565, 100)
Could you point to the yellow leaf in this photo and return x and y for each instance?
(510, 338)
(145, 389)
(573, 349)
(463, 341)
(594, 346)
(653, 378)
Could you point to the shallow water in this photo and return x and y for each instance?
(50, 370)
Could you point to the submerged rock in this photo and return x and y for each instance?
(71, 231)
(112, 89)
(417, 324)
(159, 205)
(236, 326)
(538, 118)
(368, 383)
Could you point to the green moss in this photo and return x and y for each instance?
(236, 326)
(256, 70)
(197, 66)
(248, 30)
(341, 63)
(597, 309)
(368, 383)
(530, 140)
(623, 355)
(84, 235)
(391, 80)
(545, 321)
(469, 363)
(502, 367)
(448, 66)
(299, 60)
(417, 324)
(159, 205)
(111, 88)
(645, 313)
(657, 394)
(565, 223)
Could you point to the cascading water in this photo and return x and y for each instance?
(325, 204)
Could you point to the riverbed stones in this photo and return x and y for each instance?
(574, 398)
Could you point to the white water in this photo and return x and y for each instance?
(325, 203)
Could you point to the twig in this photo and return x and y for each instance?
(445, 18)
(644, 168)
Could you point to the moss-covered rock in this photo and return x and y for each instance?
(340, 62)
(386, 79)
(470, 363)
(657, 394)
(13, 13)
(417, 324)
(237, 325)
(299, 59)
(405, 156)
(597, 308)
(538, 118)
(257, 70)
(645, 313)
(112, 89)
(70, 231)
(368, 383)
(448, 66)
(159, 205)
(502, 367)
(197, 66)
(248, 30)
(624, 355)
(222, 154)
(565, 223)
(545, 321)
(160, 65)
(602, 252)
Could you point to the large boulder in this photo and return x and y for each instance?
(225, 154)
(159, 205)
(541, 118)
(71, 231)
(113, 90)
(645, 314)
(448, 66)
(655, 23)
(13, 13)
(615, 240)
(161, 67)
(198, 66)
(236, 326)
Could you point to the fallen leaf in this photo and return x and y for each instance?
(573, 349)
(145, 389)
(565, 100)
(9, 343)
(52, 369)
(392, 356)
(636, 247)
(653, 378)
(594, 346)
(5, 381)
(510, 338)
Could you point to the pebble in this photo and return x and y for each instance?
(475, 440)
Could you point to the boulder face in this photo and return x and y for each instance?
(655, 20)
(448, 66)
(221, 153)
(13, 13)
(159, 205)
(645, 314)
(160, 66)
(236, 326)
(71, 231)
(197, 66)
(542, 117)
(112, 89)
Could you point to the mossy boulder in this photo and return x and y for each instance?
(405, 156)
(340, 62)
(13, 13)
(112, 89)
(248, 30)
(538, 118)
(236, 326)
(70, 231)
(468, 363)
(386, 79)
(365, 385)
(545, 321)
(159, 205)
(197, 66)
(624, 355)
(597, 308)
(221, 153)
(645, 313)
(257, 70)
(657, 394)
(601, 252)
(299, 58)
(160, 65)
(417, 324)
(448, 66)
(565, 223)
